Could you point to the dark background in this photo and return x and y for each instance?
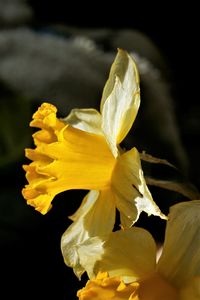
(31, 262)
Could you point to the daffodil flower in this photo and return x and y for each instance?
(82, 152)
(127, 267)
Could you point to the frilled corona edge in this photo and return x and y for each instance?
(64, 158)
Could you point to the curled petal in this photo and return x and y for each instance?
(120, 100)
(132, 193)
(130, 254)
(85, 119)
(180, 259)
(95, 217)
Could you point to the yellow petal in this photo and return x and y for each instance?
(130, 254)
(89, 252)
(87, 203)
(76, 234)
(96, 219)
(120, 100)
(132, 193)
(45, 118)
(85, 119)
(180, 259)
(157, 288)
(106, 288)
(191, 290)
(81, 160)
(64, 158)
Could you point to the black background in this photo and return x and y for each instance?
(32, 265)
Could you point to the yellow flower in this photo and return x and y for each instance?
(82, 152)
(104, 288)
(129, 256)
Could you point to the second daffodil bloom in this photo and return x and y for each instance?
(128, 269)
(82, 152)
